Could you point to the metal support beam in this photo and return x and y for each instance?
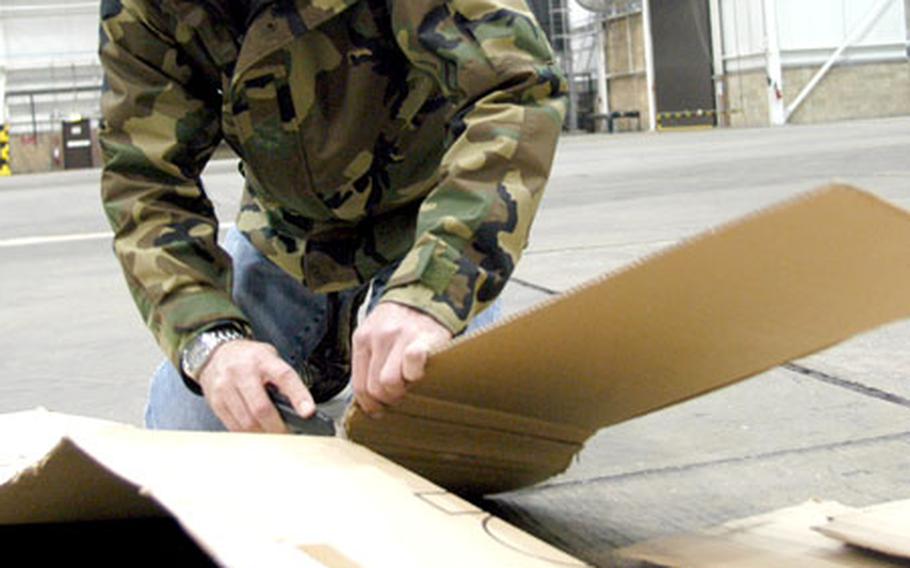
(858, 32)
(31, 104)
(907, 18)
(2, 73)
(2, 96)
(603, 95)
(649, 63)
(777, 113)
(717, 54)
(569, 65)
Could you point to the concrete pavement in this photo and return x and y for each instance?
(835, 425)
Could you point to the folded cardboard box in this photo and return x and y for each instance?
(247, 500)
(511, 405)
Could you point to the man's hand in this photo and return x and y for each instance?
(233, 381)
(390, 350)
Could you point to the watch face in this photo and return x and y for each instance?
(198, 352)
(192, 356)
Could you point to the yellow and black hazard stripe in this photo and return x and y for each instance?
(686, 118)
(4, 151)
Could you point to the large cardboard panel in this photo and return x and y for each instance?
(252, 500)
(511, 405)
(883, 528)
(782, 539)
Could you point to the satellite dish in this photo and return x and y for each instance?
(597, 5)
(610, 6)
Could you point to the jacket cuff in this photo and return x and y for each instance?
(183, 318)
(422, 299)
(436, 279)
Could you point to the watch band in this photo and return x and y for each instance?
(200, 350)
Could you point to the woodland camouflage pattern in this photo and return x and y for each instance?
(371, 131)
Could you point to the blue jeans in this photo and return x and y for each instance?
(282, 312)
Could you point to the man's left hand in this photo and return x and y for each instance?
(390, 350)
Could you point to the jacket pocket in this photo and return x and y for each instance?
(268, 129)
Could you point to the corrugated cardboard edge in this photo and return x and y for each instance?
(728, 227)
(665, 251)
(883, 528)
(470, 450)
(781, 539)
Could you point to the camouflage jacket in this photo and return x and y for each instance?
(370, 132)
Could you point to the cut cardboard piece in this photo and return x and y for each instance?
(782, 539)
(511, 405)
(251, 500)
(884, 528)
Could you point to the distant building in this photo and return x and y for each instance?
(747, 62)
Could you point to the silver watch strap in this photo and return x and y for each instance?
(200, 350)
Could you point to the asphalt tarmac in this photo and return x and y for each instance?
(835, 425)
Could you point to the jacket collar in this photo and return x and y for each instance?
(307, 13)
(277, 22)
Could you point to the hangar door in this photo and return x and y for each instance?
(683, 82)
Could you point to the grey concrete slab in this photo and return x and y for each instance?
(70, 337)
(68, 202)
(562, 269)
(517, 298)
(776, 411)
(62, 204)
(644, 187)
(878, 360)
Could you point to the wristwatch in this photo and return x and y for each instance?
(200, 349)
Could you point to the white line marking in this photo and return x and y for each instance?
(30, 241)
(72, 238)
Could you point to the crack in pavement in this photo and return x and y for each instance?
(533, 286)
(899, 436)
(849, 385)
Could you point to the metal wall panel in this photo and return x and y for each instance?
(683, 82)
(810, 30)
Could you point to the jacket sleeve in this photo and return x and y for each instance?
(492, 60)
(161, 125)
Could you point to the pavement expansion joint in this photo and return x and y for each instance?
(854, 386)
(533, 286)
(600, 246)
(675, 469)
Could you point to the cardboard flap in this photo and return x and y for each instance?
(257, 500)
(43, 493)
(883, 528)
(718, 308)
(782, 539)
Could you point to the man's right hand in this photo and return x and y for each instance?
(233, 382)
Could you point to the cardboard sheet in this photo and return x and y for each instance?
(782, 539)
(883, 528)
(251, 500)
(513, 404)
